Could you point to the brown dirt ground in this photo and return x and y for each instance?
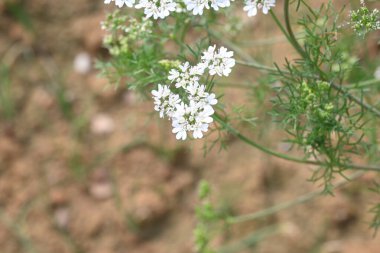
(79, 164)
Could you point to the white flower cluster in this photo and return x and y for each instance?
(197, 6)
(252, 6)
(163, 8)
(193, 112)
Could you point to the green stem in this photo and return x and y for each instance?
(363, 84)
(300, 200)
(236, 85)
(255, 64)
(268, 151)
(248, 60)
(291, 36)
(278, 23)
(210, 85)
(357, 100)
(250, 240)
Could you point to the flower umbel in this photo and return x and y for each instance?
(189, 106)
(219, 62)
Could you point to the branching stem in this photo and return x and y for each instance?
(269, 151)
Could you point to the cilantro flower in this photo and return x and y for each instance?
(219, 62)
(163, 8)
(121, 3)
(196, 6)
(165, 101)
(189, 106)
(157, 8)
(192, 117)
(252, 6)
(186, 75)
(216, 4)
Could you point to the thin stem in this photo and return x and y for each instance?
(285, 205)
(255, 64)
(210, 85)
(339, 88)
(323, 76)
(357, 100)
(363, 84)
(279, 24)
(291, 36)
(236, 85)
(248, 60)
(269, 151)
(250, 240)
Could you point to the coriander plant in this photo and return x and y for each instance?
(324, 99)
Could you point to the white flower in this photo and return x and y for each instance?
(198, 94)
(196, 6)
(220, 62)
(193, 117)
(157, 8)
(198, 70)
(173, 74)
(209, 54)
(211, 99)
(267, 4)
(215, 4)
(186, 75)
(252, 6)
(194, 113)
(165, 101)
(121, 3)
(196, 116)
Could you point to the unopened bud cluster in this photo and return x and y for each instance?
(364, 20)
(122, 31)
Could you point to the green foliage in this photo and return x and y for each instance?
(211, 219)
(136, 52)
(206, 216)
(203, 190)
(316, 113)
(19, 12)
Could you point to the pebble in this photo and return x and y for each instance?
(82, 63)
(149, 207)
(61, 217)
(102, 124)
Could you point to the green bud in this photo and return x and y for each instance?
(203, 190)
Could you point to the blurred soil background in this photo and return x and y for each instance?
(85, 168)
